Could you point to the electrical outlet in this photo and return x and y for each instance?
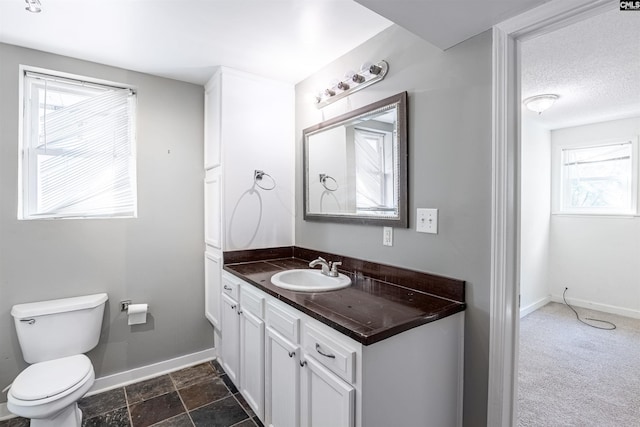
(387, 236)
(427, 221)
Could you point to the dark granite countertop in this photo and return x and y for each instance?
(371, 309)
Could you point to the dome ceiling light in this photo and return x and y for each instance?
(540, 103)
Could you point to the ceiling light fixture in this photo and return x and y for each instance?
(33, 6)
(352, 82)
(540, 103)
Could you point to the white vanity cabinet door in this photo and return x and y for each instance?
(282, 381)
(230, 346)
(326, 400)
(252, 361)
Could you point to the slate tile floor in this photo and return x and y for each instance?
(200, 396)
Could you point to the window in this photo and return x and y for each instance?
(78, 148)
(598, 179)
(374, 170)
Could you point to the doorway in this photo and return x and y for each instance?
(505, 290)
(578, 224)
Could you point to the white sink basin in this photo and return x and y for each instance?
(308, 280)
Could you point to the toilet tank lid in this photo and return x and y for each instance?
(41, 308)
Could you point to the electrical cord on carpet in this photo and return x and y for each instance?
(606, 328)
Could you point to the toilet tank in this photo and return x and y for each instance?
(58, 328)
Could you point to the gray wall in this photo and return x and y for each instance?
(449, 169)
(156, 258)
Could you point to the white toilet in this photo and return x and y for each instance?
(53, 335)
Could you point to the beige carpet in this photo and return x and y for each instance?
(574, 375)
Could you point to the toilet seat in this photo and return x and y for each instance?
(50, 380)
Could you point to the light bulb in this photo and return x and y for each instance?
(375, 69)
(358, 78)
(343, 85)
(33, 6)
(364, 68)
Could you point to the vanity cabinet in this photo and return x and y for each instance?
(282, 366)
(326, 400)
(282, 381)
(252, 348)
(297, 371)
(300, 391)
(230, 346)
(242, 340)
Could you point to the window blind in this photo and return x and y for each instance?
(80, 149)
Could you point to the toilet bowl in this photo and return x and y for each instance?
(53, 335)
(47, 392)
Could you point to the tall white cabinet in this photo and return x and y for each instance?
(212, 202)
(249, 127)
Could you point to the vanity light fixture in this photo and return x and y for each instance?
(33, 6)
(352, 82)
(540, 103)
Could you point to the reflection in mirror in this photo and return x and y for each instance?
(355, 166)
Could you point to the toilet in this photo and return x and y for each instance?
(53, 336)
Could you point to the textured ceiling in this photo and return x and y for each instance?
(287, 40)
(593, 65)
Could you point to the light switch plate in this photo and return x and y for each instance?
(427, 221)
(387, 236)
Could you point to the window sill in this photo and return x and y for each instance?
(595, 215)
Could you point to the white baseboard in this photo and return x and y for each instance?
(605, 308)
(142, 373)
(534, 306)
(145, 372)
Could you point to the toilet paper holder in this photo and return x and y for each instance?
(124, 305)
(136, 313)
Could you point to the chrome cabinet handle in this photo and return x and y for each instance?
(29, 321)
(239, 312)
(292, 353)
(303, 363)
(330, 356)
(227, 288)
(233, 307)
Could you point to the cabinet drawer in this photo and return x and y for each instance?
(252, 301)
(230, 286)
(283, 321)
(330, 352)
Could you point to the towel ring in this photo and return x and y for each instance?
(258, 175)
(323, 180)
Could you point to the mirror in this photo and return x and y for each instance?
(355, 166)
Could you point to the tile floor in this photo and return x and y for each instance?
(200, 396)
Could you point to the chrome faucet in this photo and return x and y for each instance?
(328, 268)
